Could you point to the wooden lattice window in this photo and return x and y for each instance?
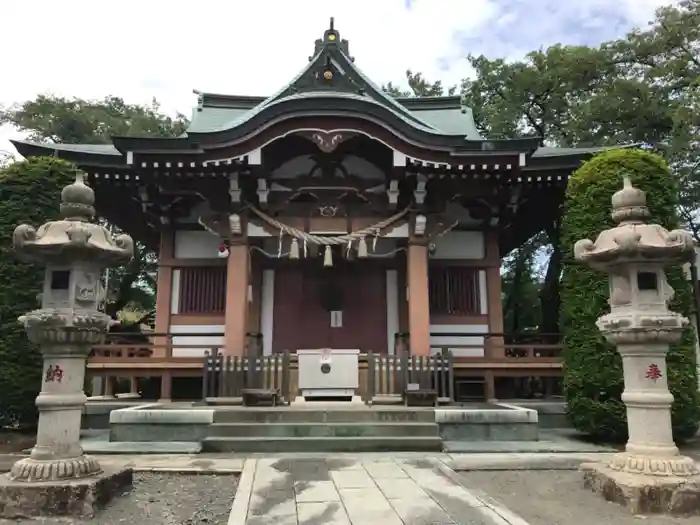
(454, 290)
(202, 290)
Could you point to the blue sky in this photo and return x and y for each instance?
(141, 49)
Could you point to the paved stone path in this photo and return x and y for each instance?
(346, 491)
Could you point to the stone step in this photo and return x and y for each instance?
(141, 447)
(310, 415)
(314, 430)
(324, 444)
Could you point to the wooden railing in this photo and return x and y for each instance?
(152, 355)
(390, 375)
(227, 376)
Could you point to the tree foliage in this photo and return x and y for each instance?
(73, 120)
(593, 380)
(419, 86)
(21, 202)
(643, 88)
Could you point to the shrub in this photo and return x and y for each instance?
(593, 380)
(29, 193)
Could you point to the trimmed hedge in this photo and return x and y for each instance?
(593, 380)
(29, 193)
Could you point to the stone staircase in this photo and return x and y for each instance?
(287, 429)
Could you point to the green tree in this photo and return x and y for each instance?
(665, 58)
(78, 121)
(538, 96)
(20, 202)
(73, 120)
(419, 87)
(520, 288)
(593, 379)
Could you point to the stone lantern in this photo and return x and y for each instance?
(74, 252)
(651, 475)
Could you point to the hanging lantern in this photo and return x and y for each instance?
(222, 252)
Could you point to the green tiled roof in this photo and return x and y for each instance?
(437, 115)
(98, 149)
(207, 119)
(458, 121)
(563, 152)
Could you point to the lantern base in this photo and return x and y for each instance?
(76, 498)
(30, 469)
(644, 493)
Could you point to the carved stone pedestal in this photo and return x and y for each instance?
(644, 493)
(75, 498)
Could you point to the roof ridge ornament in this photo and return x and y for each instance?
(331, 37)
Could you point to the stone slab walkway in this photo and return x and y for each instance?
(346, 491)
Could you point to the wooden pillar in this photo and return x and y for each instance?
(495, 345)
(237, 280)
(164, 291)
(418, 303)
(109, 386)
(493, 289)
(166, 386)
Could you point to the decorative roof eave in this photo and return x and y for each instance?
(88, 155)
(323, 105)
(221, 100)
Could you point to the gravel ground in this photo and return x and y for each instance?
(557, 498)
(163, 499)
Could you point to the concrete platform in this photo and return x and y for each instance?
(311, 426)
(552, 413)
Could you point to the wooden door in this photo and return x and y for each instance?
(305, 296)
(364, 310)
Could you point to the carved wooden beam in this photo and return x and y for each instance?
(326, 141)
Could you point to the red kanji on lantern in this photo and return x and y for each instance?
(653, 372)
(53, 373)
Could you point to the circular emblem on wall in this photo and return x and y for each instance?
(325, 368)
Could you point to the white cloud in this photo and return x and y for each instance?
(146, 48)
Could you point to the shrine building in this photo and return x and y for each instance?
(330, 215)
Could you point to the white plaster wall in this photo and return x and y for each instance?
(196, 244)
(483, 293)
(392, 308)
(267, 309)
(211, 335)
(460, 335)
(175, 292)
(460, 245)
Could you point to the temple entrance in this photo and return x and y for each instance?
(339, 307)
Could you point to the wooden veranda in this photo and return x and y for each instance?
(470, 378)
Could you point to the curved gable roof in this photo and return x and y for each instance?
(437, 115)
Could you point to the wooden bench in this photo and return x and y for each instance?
(422, 397)
(260, 397)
